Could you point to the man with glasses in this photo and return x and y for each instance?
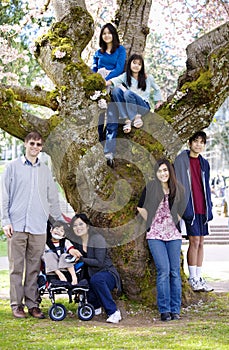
(29, 196)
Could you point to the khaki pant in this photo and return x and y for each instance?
(54, 262)
(24, 253)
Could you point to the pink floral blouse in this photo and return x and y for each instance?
(163, 226)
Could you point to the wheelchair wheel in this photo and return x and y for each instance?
(86, 312)
(57, 312)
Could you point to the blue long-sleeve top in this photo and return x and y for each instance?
(115, 62)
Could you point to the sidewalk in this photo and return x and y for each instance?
(216, 260)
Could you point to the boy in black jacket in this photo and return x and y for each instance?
(193, 172)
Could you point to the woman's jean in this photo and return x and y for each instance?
(101, 285)
(166, 255)
(129, 103)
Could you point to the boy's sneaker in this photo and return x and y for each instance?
(110, 159)
(98, 311)
(70, 258)
(115, 317)
(205, 286)
(195, 285)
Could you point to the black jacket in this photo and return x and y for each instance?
(98, 258)
(149, 201)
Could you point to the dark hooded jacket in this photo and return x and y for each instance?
(183, 174)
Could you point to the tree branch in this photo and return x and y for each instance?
(18, 122)
(33, 96)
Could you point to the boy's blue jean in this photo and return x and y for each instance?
(111, 128)
(166, 255)
(101, 285)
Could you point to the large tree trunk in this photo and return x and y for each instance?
(110, 196)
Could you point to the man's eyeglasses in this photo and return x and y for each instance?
(38, 144)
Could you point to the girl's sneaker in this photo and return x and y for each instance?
(98, 311)
(115, 317)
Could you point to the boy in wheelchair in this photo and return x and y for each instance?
(56, 252)
(59, 274)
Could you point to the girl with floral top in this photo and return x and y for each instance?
(161, 205)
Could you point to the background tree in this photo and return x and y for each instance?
(110, 196)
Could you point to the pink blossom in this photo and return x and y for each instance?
(60, 54)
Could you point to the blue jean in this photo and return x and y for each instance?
(129, 103)
(101, 128)
(166, 255)
(101, 285)
(111, 128)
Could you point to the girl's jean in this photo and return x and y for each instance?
(101, 285)
(129, 103)
(166, 255)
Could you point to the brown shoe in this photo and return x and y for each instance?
(36, 312)
(19, 312)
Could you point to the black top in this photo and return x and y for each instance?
(149, 201)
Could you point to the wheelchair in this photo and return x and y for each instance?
(49, 284)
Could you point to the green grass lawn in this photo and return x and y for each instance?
(3, 248)
(203, 329)
(203, 326)
(2, 167)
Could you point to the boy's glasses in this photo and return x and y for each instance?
(38, 144)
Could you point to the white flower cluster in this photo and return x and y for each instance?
(96, 95)
(102, 103)
(60, 54)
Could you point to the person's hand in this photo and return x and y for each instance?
(75, 252)
(158, 104)
(8, 230)
(108, 83)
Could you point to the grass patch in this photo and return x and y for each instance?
(202, 327)
(3, 248)
(2, 168)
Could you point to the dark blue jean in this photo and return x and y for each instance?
(101, 285)
(111, 128)
(166, 255)
(101, 127)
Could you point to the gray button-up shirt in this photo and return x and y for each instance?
(29, 196)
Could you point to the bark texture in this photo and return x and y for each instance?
(110, 196)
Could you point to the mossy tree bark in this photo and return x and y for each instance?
(110, 196)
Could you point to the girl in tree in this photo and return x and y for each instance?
(132, 92)
(109, 61)
(162, 205)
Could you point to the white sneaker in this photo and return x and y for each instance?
(115, 317)
(195, 285)
(98, 311)
(205, 286)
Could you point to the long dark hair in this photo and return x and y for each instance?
(172, 182)
(141, 74)
(81, 216)
(115, 38)
(72, 236)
